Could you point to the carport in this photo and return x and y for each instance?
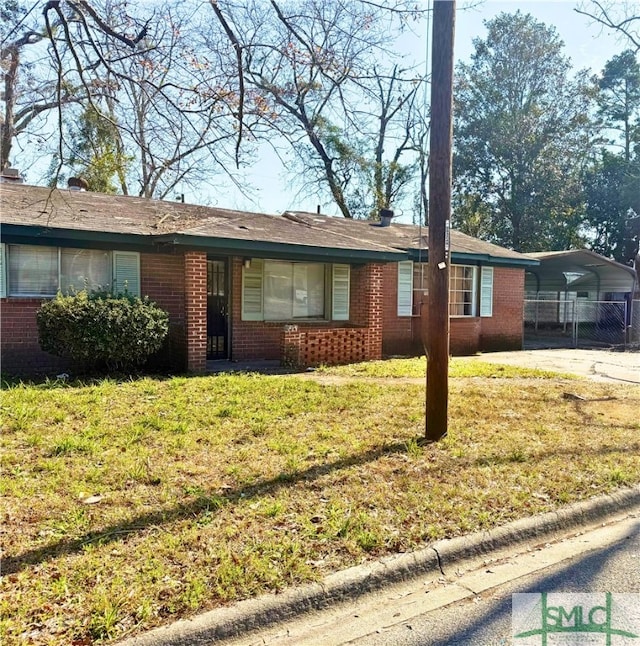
(578, 297)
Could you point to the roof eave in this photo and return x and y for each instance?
(280, 250)
(29, 234)
(38, 234)
(463, 257)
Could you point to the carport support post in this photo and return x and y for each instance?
(440, 142)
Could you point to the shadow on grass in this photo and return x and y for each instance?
(96, 379)
(209, 503)
(214, 501)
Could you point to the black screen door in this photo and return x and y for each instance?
(217, 310)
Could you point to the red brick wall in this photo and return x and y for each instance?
(263, 340)
(302, 348)
(162, 280)
(195, 288)
(464, 335)
(503, 330)
(20, 349)
(171, 280)
(250, 339)
(366, 307)
(397, 331)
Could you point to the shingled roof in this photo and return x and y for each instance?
(411, 238)
(57, 216)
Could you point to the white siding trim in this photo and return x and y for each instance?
(252, 292)
(3, 273)
(126, 272)
(340, 292)
(486, 291)
(405, 288)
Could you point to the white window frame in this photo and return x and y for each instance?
(473, 291)
(131, 274)
(337, 292)
(290, 270)
(3, 271)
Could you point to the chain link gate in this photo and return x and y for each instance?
(575, 323)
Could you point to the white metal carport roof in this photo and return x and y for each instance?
(578, 269)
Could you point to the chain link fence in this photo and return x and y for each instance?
(634, 325)
(581, 323)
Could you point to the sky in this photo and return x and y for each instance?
(587, 44)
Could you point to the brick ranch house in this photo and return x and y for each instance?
(301, 288)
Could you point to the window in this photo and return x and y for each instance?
(35, 271)
(293, 291)
(462, 291)
(420, 290)
(274, 290)
(84, 269)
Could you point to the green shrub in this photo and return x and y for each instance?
(99, 329)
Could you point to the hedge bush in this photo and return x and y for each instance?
(100, 329)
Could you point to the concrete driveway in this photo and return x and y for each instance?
(599, 365)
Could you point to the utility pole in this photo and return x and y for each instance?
(440, 162)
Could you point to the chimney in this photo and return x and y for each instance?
(77, 184)
(385, 217)
(11, 175)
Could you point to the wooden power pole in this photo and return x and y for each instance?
(440, 162)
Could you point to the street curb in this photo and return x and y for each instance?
(457, 553)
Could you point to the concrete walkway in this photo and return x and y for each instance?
(599, 365)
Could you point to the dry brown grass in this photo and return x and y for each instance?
(219, 488)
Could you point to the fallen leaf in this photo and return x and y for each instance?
(93, 500)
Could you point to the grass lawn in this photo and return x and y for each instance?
(131, 504)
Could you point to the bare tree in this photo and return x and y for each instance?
(623, 17)
(29, 82)
(173, 106)
(396, 113)
(310, 66)
(186, 95)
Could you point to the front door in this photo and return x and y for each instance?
(217, 310)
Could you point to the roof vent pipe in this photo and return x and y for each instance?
(77, 184)
(385, 217)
